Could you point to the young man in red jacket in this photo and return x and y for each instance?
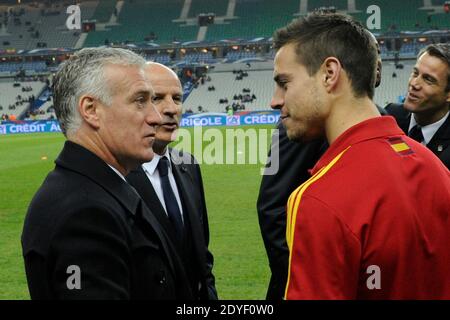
(372, 222)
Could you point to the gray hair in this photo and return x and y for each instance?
(83, 73)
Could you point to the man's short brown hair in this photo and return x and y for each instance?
(321, 35)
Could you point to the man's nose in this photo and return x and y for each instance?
(415, 83)
(277, 101)
(170, 107)
(153, 116)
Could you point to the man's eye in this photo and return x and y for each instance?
(429, 80)
(141, 101)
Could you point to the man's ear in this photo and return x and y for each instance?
(378, 73)
(89, 108)
(331, 72)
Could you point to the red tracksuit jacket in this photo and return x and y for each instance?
(373, 221)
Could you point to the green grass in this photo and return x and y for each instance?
(231, 190)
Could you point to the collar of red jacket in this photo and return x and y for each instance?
(373, 128)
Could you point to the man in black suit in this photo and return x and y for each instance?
(87, 233)
(428, 99)
(171, 184)
(293, 160)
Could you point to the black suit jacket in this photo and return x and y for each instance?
(197, 259)
(295, 161)
(440, 142)
(84, 214)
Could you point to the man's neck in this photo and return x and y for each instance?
(424, 119)
(159, 148)
(97, 147)
(346, 114)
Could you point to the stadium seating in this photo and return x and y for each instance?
(9, 93)
(159, 20)
(104, 10)
(199, 58)
(32, 29)
(160, 58)
(250, 19)
(15, 67)
(219, 8)
(261, 84)
(139, 18)
(392, 88)
(340, 5)
(438, 2)
(255, 19)
(238, 55)
(405, 16)
(226, 86)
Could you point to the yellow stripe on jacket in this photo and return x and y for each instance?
(292, 208)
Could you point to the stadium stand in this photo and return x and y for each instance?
(15, 96)
(255, 19)
(44, 109)
(199, 58)
(232, 56)
(400, 15)
(226, 87)
(219, 8)
(140, 20)
(392, 88)
(166, 31)
(166, 21)
(394, 83)
(339, 5)
(35, 25)
(104, 10)
(160, 58)
(13, 68)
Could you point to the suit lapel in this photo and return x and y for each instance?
(140, 181)
(185, 184)
(404, 121)
(441, 137)
(74, 157)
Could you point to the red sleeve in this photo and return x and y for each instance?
(324, 261)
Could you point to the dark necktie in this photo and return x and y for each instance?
(416, 133)
(173, 211)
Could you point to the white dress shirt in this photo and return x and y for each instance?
(118, 173)
(150, 169)
(428, 131)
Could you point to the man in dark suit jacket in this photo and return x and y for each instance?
(180, 204)
(428, 100)
(87, 233)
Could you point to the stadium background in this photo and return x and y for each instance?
(221, 49)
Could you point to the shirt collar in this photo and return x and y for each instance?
(150, 167)
(428, 131)
(367, 130)
(118, 172)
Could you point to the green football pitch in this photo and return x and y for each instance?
(241, 266)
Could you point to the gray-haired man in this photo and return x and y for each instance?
(87, 234)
